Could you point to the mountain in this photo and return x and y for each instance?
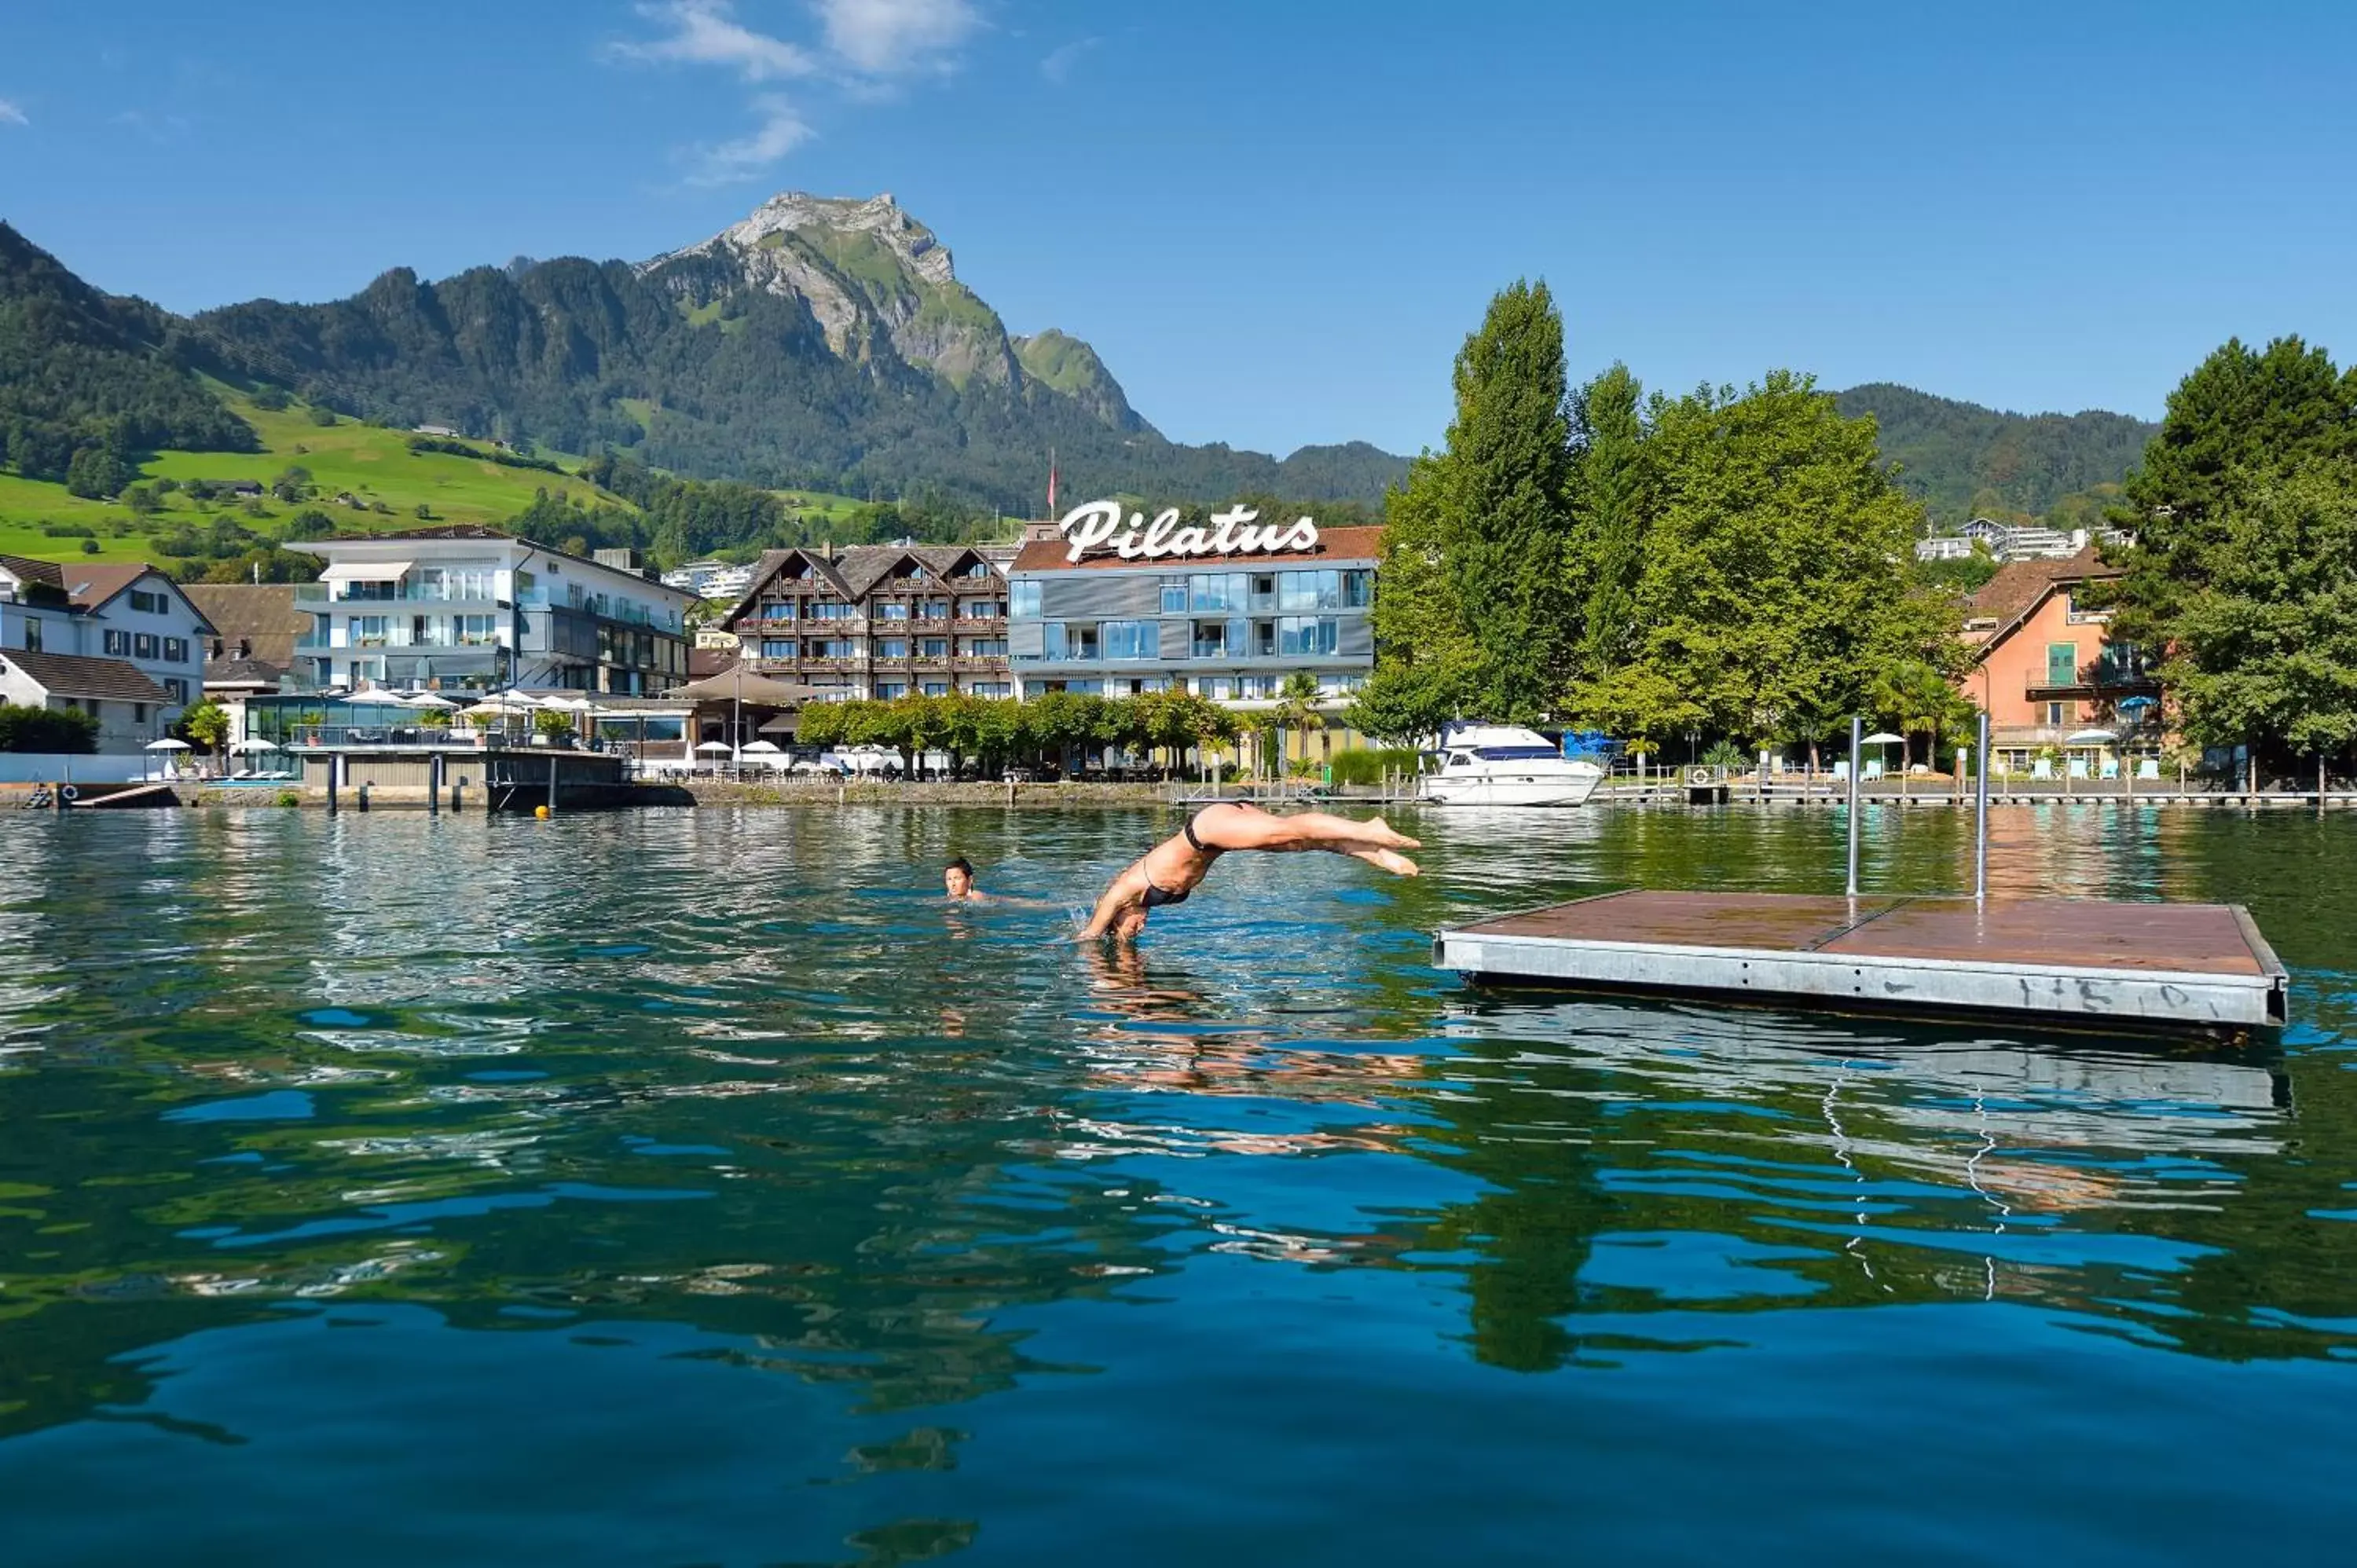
(820, 343)
(1965, 460)
(80, 370)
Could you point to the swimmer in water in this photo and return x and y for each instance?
(1168, 872)
(957, 883)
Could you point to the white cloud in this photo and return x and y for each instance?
(889, 37)
(705, 32)
(1058, 67)
(781, 129)
(12, 116)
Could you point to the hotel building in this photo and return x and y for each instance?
(2046, 667)
(1229, 626)
(472, 606)
(877, 621)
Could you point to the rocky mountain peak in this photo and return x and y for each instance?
(798, 212)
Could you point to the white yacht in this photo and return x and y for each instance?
(1498, 765)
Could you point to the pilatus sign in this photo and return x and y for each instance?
(1231, 532)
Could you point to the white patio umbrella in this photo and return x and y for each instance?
(167, 743)
(239, 748)
(2090, 738)
(716, 749)
(762, 749)
(428, 700)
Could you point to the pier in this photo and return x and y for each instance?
(2054, 960)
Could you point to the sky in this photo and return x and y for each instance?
(1277, 222)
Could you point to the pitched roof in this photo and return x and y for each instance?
(242, 672)
(852, 572)
(75, 675)
(261, 614)
(24, 569)
(1358, 543)
(707, 661)
(2020, 587)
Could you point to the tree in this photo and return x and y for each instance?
(322, 415)
(142, 501)
(1611, 506)
(293, 483)
(95, 473)
(26, 728)
(2265, 647)
(1775, 583)
(2241, 422)
(1297, 706)
(425, 513)
(1502, 488)
(204, 724)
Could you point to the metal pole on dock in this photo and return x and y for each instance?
(1856, 739)
(1980, 814)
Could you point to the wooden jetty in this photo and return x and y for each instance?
(2079, 961)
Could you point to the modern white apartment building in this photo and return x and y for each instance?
(472, 606)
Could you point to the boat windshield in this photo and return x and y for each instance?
(1513, 753)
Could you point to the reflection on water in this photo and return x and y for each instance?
(699, 1186)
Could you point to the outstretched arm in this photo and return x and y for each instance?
(1116, 898)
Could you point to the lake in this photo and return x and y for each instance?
(697, 1187)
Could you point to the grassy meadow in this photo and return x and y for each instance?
(373, 464)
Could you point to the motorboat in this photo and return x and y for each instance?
(1500, 765)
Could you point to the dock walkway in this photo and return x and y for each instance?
(2201, 966)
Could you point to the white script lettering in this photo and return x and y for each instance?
(1094, 524)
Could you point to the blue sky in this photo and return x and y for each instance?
(1276, 221)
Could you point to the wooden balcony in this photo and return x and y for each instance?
(2099, 681)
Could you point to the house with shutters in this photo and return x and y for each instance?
(119, 640)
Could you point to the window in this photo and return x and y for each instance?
(178, 689)
(832, 647)
(977, 569)
(1216, 591)
(887, 689)
(832, 610)
(892, 647)
(2054, 714)
(32, 635)
(1130, 639)
(475, 631)
(1306, 636)
(932, 648)
(368, 631)
(890, 609)
(933, 609)
(138, 712)
(980, 610)
(991, 688)
(995, 647)
(146, 603)
(2061, 663)
(1174, 595)
(777, 648)
(143, 645)
(937, 688)
(1358, 589)
(1023, 599)
(1055, 643)
(118, 645)
(176, 650)
(1309, 590)
(1211, 640)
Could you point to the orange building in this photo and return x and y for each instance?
(2045, 667)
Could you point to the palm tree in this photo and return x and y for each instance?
(1296, 709)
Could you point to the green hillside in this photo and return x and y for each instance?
(373, 464)
(1964, 460)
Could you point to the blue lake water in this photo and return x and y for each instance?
(696, 1187)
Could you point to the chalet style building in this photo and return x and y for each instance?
(877, 621)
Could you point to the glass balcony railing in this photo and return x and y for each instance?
(387, 594)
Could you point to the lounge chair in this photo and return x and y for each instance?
(2078, 767)
(1873, 770)
(2148, 768)
(2041, 768)
(2111, 768)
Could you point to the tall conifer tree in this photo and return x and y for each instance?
(1609, 502)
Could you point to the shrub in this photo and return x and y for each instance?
(89, 546)
(322, 416)
(57, 730)
(290, 798)
(270, 399)
(1728, 755)
(1367, 763)
(67, 530)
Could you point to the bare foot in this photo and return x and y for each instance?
(1391, 861)
(1392, 835)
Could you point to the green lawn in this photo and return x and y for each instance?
(372, 464)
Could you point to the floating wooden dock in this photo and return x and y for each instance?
(2075, 962)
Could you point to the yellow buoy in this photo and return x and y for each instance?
(541, 811)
